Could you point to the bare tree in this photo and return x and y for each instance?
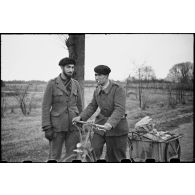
(171, 100)
(23, 97)
(75, 43)
(182, 72)
(76, 47)
(140, 88)
(62, 39)
(148, 73)
(144, 74)
(182, 75)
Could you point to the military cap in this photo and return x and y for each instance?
(102, 69)
(65, 61)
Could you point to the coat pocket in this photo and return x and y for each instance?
(55, 120)
(58, 96)
(57, 92)
(59, 121)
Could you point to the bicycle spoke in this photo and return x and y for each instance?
(65, 159)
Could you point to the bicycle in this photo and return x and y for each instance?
(84, 151)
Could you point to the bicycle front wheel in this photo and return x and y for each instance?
(69, 158)
(90, 157)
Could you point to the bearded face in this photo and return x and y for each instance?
(68, 70)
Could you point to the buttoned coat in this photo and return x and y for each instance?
(59, 106)
(112, 109)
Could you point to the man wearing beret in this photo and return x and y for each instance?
(110, 98)
(61, 103)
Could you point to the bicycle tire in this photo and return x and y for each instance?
(67, 159)
(89, 157)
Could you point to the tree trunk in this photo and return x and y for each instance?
(76, 48)
(140, 90)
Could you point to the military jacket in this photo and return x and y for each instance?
(59, 106)
(112, 109)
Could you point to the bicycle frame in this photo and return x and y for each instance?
(84, 152)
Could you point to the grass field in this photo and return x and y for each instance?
(22, 137)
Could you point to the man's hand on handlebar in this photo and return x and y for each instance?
(107, 126)
(76, 119)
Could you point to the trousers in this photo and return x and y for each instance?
(115, 147)
(69, 138)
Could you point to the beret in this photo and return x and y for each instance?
(102, 69)
(65, 61)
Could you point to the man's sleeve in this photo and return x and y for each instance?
(119, 107)
(90, 109)
(46, 106)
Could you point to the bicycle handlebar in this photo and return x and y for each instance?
(99, 127)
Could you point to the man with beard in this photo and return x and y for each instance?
(110, 98)
(61, 103)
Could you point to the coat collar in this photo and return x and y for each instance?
(61, 86)
(107, 89)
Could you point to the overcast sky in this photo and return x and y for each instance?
(36, 57)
